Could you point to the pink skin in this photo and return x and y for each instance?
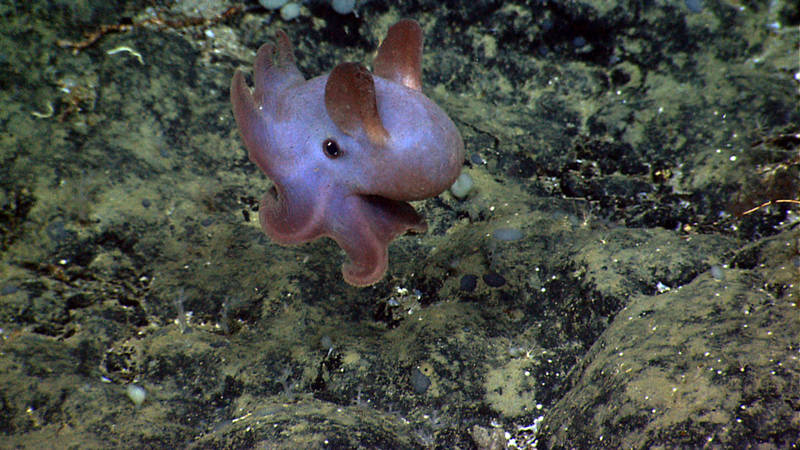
(392, 145)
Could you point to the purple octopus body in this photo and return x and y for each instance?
(346, 151)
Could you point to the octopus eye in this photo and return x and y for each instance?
(331, 149)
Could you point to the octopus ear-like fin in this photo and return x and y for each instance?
(400, 55)
(272, 75)
(351, 102)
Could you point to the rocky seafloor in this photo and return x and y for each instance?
(624, 273)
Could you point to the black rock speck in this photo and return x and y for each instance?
(419, 381)
(468, 283)
(494, 279)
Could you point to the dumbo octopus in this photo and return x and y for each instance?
(347, 150)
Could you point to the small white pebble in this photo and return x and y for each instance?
(462, 186)
(343, 6)
(136, 393)
(272, 4)
(290, 11)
